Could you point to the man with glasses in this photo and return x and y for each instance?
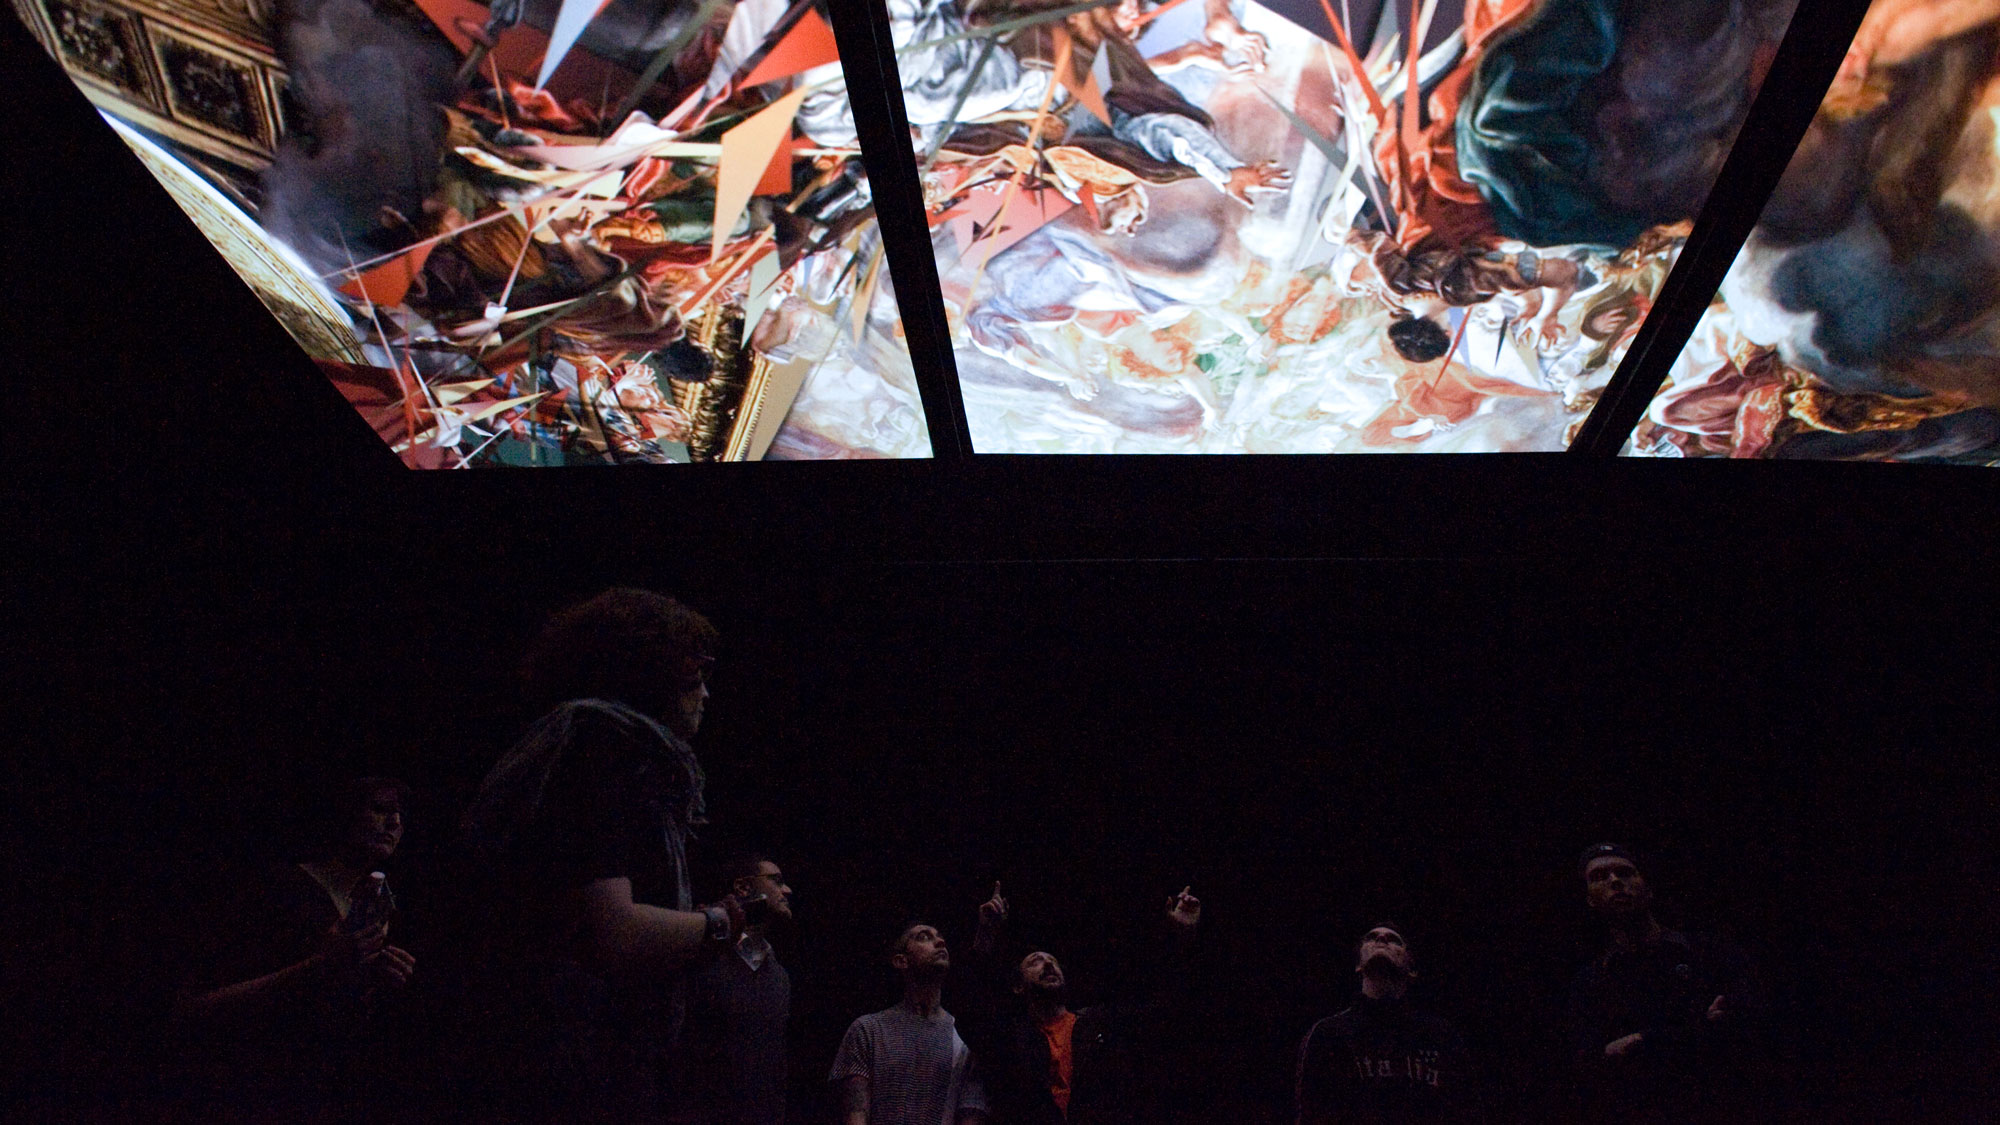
(739, 1009)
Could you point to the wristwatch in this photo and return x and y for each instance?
(718, 923)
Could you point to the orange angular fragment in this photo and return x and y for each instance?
(808, 44)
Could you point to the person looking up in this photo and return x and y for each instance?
(1023, 1032)
(1661, 1022)
(1383, 1060)
(906, 1065)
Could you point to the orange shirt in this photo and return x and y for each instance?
(1058, 1031)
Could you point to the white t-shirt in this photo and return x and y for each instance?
(919, 1071)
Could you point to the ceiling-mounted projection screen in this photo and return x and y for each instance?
(1205, 226)
(1861, 321)
(549, 232)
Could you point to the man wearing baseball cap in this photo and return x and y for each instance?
(1663, 1024)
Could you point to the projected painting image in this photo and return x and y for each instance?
(1311, 227)
(1306, 226)
(549, 232)
(1861, 321)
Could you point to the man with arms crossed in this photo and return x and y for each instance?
(1663, 1023)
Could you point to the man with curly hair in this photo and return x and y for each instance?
(578, 998)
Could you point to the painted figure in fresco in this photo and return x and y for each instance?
(572, 303)
(363, 155)
(1124, 322)
(1612, 316)
(1422, 285)
(1143, 327)
(1578, 123)
(1891, 184)
(1088, 311)
(1548, 137)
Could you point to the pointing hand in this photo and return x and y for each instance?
(993, 911)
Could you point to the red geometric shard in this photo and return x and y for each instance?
(777, 179)
(387, 283)
(809, 44)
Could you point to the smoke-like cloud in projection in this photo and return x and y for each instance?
(1859, 320)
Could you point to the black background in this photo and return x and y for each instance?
(1319, 690)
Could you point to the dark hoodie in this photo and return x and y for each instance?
(1687, 1067)
(1382, 1061)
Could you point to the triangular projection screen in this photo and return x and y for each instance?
(1861, 320)
(554, 232)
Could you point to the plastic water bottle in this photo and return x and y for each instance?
(373, 902)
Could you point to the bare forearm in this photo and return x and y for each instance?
(1562, 294)
(1192, 53)
(1895, 33)
(650, 936)
(854, 1101)
(244, 995)
(635, 937)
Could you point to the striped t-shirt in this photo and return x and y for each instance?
(919, 1071)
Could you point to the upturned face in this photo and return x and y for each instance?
(922, 950)
(1383, 949)
(1355, 271)
(1129, 17)
(1039, 972)
(1614, 887)
(1122, 213)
